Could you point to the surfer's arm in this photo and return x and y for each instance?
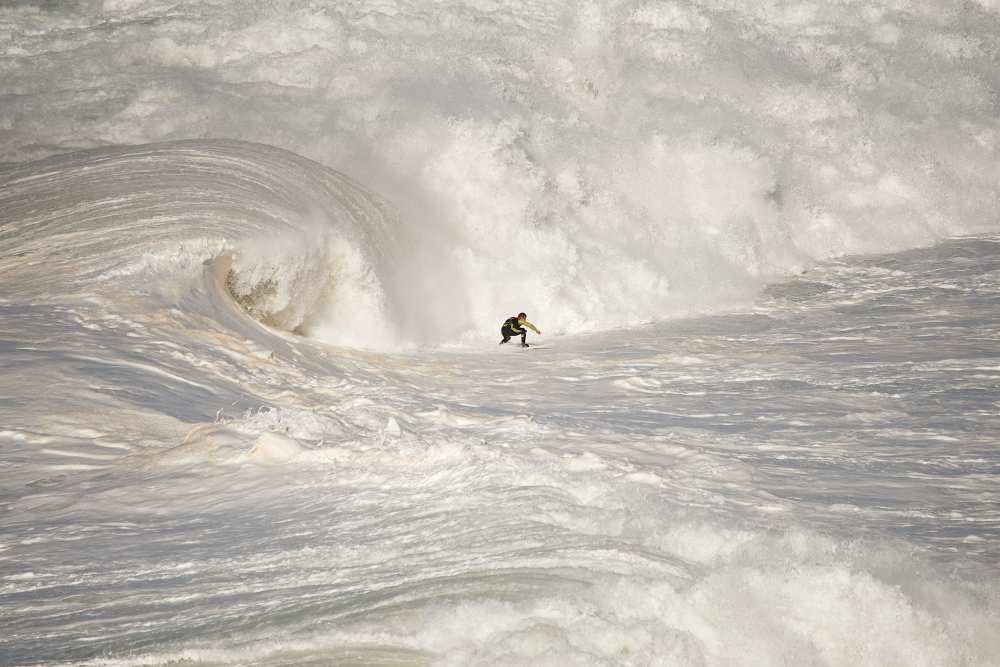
(531, 326)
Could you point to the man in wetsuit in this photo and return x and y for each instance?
(517, 326)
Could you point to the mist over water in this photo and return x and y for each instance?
(253, 262)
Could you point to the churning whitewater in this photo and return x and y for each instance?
(254, 258)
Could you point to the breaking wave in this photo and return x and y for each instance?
(295, 244)
(597, 166)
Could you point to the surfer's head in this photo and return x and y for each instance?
(522, 316)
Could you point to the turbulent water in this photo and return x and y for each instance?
(253, 262)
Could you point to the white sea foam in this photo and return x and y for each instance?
(197, 199)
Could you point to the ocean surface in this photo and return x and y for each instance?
(254, 258)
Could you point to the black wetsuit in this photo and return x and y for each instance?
(512, 329)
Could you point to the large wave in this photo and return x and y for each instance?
(297, 245)
(597, 165)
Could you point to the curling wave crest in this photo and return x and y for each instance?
(295, 244)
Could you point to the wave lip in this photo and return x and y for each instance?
(296, 244)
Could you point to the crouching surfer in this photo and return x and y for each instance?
(517, 326)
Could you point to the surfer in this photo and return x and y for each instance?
(517, 326)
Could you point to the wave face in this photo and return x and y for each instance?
(298, 245)
(602, 164)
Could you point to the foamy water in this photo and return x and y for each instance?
(253, 261)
